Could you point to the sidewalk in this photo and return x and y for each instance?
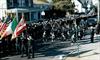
(91, 55)
(87, 52)
(86, 56)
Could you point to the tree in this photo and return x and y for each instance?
(63, 5)
(43, 0)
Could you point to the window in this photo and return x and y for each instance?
(19, 3)
(23, 3)
(10, 3)
(15, 3)
(26, 3)
(30, 3)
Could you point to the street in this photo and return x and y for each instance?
(87, 51)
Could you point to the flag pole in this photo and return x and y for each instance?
(16, 38)
(17, 15)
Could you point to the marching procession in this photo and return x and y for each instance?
(49, 29)
(22, 38)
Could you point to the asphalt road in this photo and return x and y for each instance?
(55, 53)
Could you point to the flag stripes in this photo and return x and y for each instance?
(10, 29)
(13, 28)
(20, 28)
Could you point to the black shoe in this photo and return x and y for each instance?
(32, 56)
(29, 57)
(22, 56)
(92, 42)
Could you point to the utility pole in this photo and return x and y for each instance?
(98, 11)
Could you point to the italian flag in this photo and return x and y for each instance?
(10, 29)
(20, 28)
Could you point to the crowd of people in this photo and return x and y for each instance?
(40, 32)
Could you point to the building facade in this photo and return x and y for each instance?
(31, 10)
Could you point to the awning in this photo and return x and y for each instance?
(20, 10)
(17, 10)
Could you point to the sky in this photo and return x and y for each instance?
(95, 2)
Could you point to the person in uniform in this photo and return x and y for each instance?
(92, 35)
(30, 46)
(23, 48)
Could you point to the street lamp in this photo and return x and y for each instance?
(42, 14)
(88, 7)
